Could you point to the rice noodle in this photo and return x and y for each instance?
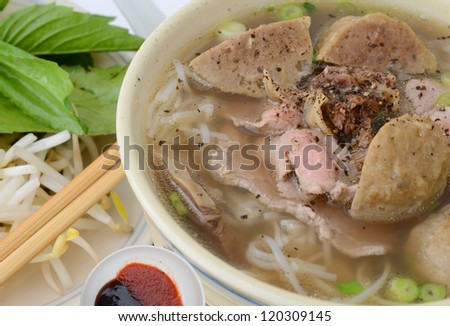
(181, 74)
(205, 133)
(284, 264)
(207, 109)
(260, 258)
(213, 134)
(166, 91)
(373, 289)
(316, 270)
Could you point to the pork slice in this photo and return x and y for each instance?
(428, 248)
(376, 41)
(236, 65)
(423, 94)
(275, 120)
(347, 235)
(406, 168)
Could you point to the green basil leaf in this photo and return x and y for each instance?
(72, 59)
(3, 4)
(12, 119)
(54, 29)
(95, 96)
(38, 87)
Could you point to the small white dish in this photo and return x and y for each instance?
(179, 270)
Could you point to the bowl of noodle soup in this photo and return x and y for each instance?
(318, 243)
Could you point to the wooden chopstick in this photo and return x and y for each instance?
(89, 193)
(71, 191)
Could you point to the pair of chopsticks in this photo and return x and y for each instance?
(39, 230)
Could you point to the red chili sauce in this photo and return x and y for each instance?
(139, 285)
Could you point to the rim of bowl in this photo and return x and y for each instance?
(161, 258)
(223, 273)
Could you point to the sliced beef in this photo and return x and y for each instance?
(236, 65)
(428, 248)
(275, 120)
(303, 157)
(423, 93)
(357, 102)
(377, 41)
(406, 168)
(342, 232)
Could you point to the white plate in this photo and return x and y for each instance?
(29, 287)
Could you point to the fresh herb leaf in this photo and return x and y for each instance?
(77, 59)
(38, 87)
(95, 96)
(53, 29)
(3, 4)
(12, 119)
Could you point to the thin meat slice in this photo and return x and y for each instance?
(275, 120)
(302, 154)
(377, 41)
(344, 234)
(236, 65)
(423, 94)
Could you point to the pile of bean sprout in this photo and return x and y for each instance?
(31, 171)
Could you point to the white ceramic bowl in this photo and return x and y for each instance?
(223, 283)
(179, 271)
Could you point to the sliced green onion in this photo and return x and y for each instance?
(270, 8)
(176, 201)
(430, 292)
(444, 99)
(291, 11)
(445, 78)
(401, 289)
(345, 7)
(309, 7)
(350, 287)
(231, 29)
